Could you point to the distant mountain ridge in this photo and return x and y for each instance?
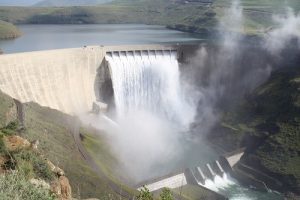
(18, 2)
(58, 3)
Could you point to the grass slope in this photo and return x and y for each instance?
(57, 143)
(8, 30)
(97, 146)
(51, 128)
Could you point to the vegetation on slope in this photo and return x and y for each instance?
(18, 166)
(8, 30)
(268, 124)
(98, 148)
(15, 185)
(53, 130)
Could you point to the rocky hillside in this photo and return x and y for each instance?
(26, 173)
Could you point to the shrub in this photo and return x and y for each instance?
(145, 194)
(38, 164)
(10, 129)
(12, 126)
(166, 194)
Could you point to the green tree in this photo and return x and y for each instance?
(145, 194)
(166, 194)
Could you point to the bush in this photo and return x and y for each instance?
(39, 166)
(12, 126)
(10, 129)
(15, 186)
(166, 194)
(145, 194)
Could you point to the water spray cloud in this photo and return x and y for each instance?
(226, 72)
(153, 104)
(288, 28)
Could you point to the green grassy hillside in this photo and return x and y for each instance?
(268, 124)
(190, 17)
(8, 30)
(54, 131)
(154, 12)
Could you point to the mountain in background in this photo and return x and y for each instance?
(18, 2)
(58, 3)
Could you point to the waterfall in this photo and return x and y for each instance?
(148, 81)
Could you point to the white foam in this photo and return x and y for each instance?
(149, 82)
(219, 183)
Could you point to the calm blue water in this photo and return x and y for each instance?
(44, 37)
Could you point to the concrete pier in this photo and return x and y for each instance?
(212, 174)
(220, 169)
(200, 175)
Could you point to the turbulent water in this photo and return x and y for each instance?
(149, 81)
(234, 191)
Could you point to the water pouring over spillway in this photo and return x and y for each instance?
(149, 81)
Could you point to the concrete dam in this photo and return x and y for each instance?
(69, 80)
(124, 78)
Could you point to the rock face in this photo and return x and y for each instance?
(14, 143)
(3, 161)
(66, 191)
(62, 188)
(58, 171)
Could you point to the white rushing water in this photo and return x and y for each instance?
(149, 96)
(152, 112)
(149, 81)
(230, 187)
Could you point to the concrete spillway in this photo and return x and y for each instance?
(68, 80)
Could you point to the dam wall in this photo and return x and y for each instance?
(59, 79)
(68, 80)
